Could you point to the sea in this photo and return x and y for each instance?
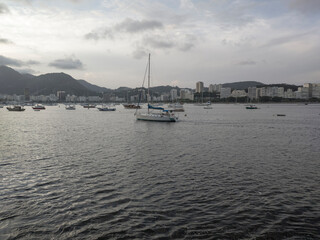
(221, 173)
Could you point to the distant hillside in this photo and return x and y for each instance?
(123, 89)
(285, 86)
(242, 85)
(12, 82)
(93, 87)
(50, 83)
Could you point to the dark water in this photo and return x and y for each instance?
(225, 173)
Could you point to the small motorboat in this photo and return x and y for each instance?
(131, 106)
(251, 107)
(89, 106)
(70, 107)
(106, 108)
(16, 108)
(38, 107)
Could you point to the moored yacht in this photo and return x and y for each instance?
(16, 108)
(38, 107)
(156, 114)
(70, 107)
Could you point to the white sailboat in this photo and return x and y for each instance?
(156, 114)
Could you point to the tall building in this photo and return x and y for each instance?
(61, 95)
(252, 92)
(199, 87)
(173, 94)
(211, 88)
(26, 94)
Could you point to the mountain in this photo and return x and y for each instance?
(93, 87)
(50, 83)
(12, 82)
(119, 89)
(242, 85)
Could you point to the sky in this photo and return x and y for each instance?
(107, 42)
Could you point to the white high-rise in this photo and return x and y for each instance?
(199, 87)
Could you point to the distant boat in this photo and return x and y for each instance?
(16, 108)
(155, 114)
(106, 108)
(89, 106)
(70, 107)
(208, 105)
(131, 106)
(176, 107)
(251, 107)
(38, 107)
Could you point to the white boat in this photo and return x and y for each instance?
(70, 107)
(176, 107)
(106, 108)
(155, 114)
(208, 105)
(38, 107)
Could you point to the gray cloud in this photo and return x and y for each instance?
(100, 34)
(157, 42)
(305, 6)
(10, 61)
(139, 53)
(247, 62)
(285, 39)
(15, 62)
(133, 26)
(5, 41)
(27, 71)
(67, 63)
(128, 26)
(32, 62)
(3, 8)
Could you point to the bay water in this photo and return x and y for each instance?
(221, 173)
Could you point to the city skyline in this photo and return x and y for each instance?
(106, 42)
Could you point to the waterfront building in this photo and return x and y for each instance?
(225, 92)
(289, 94)
(238, 93)
(252, 92)
(280, 92)
(302, 93)
(27, 94)
(199, 87)
(82, 99)
(186, 94)
(94, 99)
(316, 90)
(61, 95)
(71, 98)
(174, 94)
(215, 87)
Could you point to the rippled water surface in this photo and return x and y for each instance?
(224, 173)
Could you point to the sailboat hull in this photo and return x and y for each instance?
(156, 117)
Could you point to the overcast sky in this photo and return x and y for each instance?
(106, 42)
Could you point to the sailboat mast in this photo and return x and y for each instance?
(148, 82)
